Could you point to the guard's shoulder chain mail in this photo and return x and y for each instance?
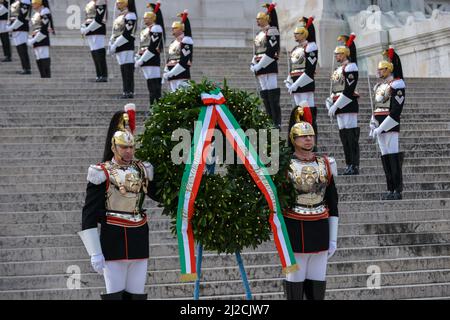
(310, 179)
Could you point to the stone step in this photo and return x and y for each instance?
(163, 243)
(345, 205)
(368, 166)
(64, 217)
(214, 280)
(9, 182)
(59, 265)
(160, 230)
(263, 289)
(343, 187)
(43, 199)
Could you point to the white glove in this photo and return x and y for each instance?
(253, 68)
(138, 63)
(83, 30)
(98, 262)
(112, 49)
(328, 103)
(332, 111)
(293, 87)
(30, 43)
(166, 76)
(376, 132)
(332, 249)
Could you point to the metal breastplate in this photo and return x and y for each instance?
(260, 43)
(119, 26)
(90, 12)
(15, 9)
(382, 98)
(127, 188)
(298, 61)
(338, 80)
(175, 51)
(36, 21)
(310, 180)
(145, 37)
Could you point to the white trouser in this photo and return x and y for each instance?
(312, 266)
(3, 24)
(19, 37)
(42, 52)
(304, 96)
(96, 42)
(268, 81)
(175, 84)
(151, 72)
(126, 275)
(125, 57)
(388, 143)
(347, 120)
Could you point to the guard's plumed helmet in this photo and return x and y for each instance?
(346, 45)
(120, 131)
(392, 62)
(183, 25)
(301, 122)
(270, 16)
(154, 10)
(306, 28)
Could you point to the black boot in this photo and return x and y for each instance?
(274, 101)
(40, 67)
(114, 296)
(123, 72)
(293, 290)
(314, 125)
(130, 79)
(387, 171)
(134, 296)
(46, 68)
(154, 89)
(397, 176)
(354, 150)
(22, 50)
(95, 57)
(315, 290)
(344, 135)
(265, 98)
(103, 65)
(6, 46)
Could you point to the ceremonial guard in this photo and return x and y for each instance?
(4, 34)
(94, 29)
(312, 221)
(122, 44)
(303, 63)
(114, 197)
(343, 102)
(19, 26)
(265, 61)
(42, 23)
(179, 62)
(151, 43)
(385, 123)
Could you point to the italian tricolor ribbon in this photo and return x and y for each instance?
(215, 111)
